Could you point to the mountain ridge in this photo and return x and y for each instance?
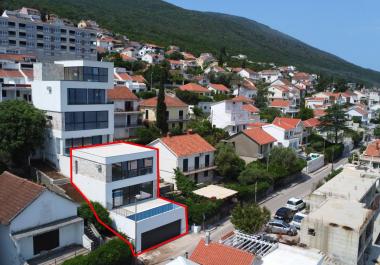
(164, 23)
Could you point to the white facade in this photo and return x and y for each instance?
(285, 138)
(49, 212)
(353, 112)
(128, 81)
(73, 123)
(230, 116)
(245, 92)
(113, 175)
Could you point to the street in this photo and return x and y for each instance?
(305, 186)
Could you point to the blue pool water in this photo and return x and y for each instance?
(152, 212)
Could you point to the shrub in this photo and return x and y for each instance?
(85, 212)
(249, 218)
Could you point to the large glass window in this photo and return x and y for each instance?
(86, 73)
(133, 168)
(86, 120)
(127, 195)
(83, 141)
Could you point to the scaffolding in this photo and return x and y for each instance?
(259, 245)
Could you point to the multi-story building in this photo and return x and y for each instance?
(16, 74)
(229, 115)
(190, 153)
(136, 83)
(176, 111)
(287, 131)
(23, 32)
(73, 95)
(123, 178)
(127, 114)
(371, 156)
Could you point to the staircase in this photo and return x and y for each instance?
(91, 232)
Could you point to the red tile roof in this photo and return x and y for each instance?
(16, 57)
(242, 99)
(121, 93)
(361, 111)
(248, 85)
(169, 101)
(373, 149)
(127, 58)
(256, 124)
(280, 103)
(218, 254)
(260, 136)
(28, 73)
(319, 113)
(10, 73)
(188, 56)
(310, 123)
(219, 87)
(187, 144)
(282, 88)
(192, 87)
(138, 78)
(122, 76)
(286, 123)
(15, 195)
(250, 108)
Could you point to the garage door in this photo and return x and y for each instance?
(46, 241)
(160, 234)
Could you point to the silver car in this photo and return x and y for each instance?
(280, 227)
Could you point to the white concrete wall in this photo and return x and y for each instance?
(168, 162)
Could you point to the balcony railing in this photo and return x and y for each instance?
(191, 170)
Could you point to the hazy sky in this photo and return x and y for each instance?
(347, 28)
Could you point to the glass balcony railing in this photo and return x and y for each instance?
(152, 212)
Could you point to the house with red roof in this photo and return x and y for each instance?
(190, 153)
(254, 112)
(195, 88)
(358, 111)
(246, 89)
(127, 116)
(218, 88)
(136, 83)
(248, 73)
(35, 220)
(310, 125)
(371, 155)
(252, 143)
(317, 102)
(213, 253)
(177, 111)
(287, 131)
(287, 107)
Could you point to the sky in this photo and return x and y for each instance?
(349, 29)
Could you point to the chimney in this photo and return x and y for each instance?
(186, 255)
(207, 238)
(190, 131)
(169, 134)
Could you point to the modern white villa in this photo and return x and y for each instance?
(73, 95)
(123, 178)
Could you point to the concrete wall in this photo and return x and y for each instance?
(244, 146)
(168, 162)
(8, 250)
(173, 113)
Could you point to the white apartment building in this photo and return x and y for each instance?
(16, 74)
(190, 153)
(35, 221)
(229, 115)
(123, 178)
(287, 131)
(128, 117)
(23, 32)
(134, 83)
(73, 95)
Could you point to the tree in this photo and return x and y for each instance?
(261, 99)
(249, 218)
(22, 128)
(184, 184)
(284, 161)
(86, 213)
(305, 113)
(228, 163)
(175, 56)
(145, 135)
(204, 128)
(161, 116)
(253, 173)
(334, 121)
(269, 114)
(376, 132)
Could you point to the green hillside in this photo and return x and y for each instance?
(162, 23)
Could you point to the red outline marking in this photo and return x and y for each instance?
(158, 196)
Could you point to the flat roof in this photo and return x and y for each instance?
(347, 214)
(350, 184)
(146, 205)
(214, 191)
(103, 152)
(290, 255)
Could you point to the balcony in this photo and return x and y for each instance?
(193, 170)
(127, 110)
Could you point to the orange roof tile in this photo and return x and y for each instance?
(286, 123)
(127, 58)
(16, 57)
(373, 149)
(122, 76)
(218, 254)
(10, 73)
(187, 144)
(310, 123)
(319, 113)
(242, 99)
(169, 101)
(260, 136)
(256, 124)
(192, 87)
(121, 93)
(28, 73)
(280, 103)
(15, 195)
(219, 87)
(138, 78)
(250, 108)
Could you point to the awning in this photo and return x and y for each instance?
(214, 191)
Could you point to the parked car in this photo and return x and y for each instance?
(297, 218)
(284, 214)
(295, 204)
(280, 227)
